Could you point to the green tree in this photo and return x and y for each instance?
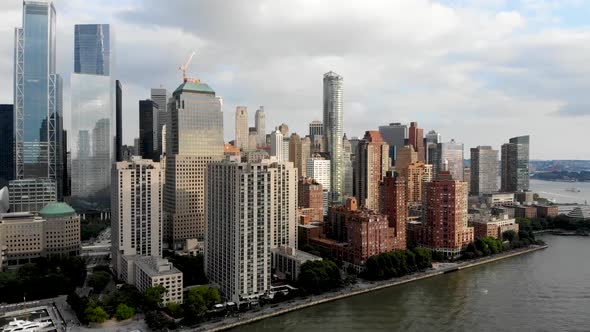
(175, 310)
(96, 314)
(124, 312)
(153, 297)
(319, 276)
(198, 301)
(99, 280)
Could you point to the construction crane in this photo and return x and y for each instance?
(184, 68)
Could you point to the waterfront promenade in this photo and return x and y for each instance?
(361, 287)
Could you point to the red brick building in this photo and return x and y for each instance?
(525, 211)
(547, 211)
(416, 140)
(446, 215)
(372, 161)
(394, 206)
(311, 198)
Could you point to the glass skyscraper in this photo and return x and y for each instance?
(37, 98)
(93, 112)
(334, 132)
(515, 165)
(6, 151)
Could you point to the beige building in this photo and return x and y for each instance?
(287, 261)
(406, 155)
(195, 139)
(373, 162)
(487, 225)
(242, 130)
(152, 271)
(25, 236)
(136, 210)
(418, 174)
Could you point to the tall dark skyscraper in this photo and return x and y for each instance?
(484, 170)
(160, 96)
(119, 120)
(37, 101)
(7, 145)
(395, 134)
(515, 164)
(93, 112)
(148, 121)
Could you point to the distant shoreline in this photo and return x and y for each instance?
(362, 288)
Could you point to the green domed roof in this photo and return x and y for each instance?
(56, 209)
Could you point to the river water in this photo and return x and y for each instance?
(547, 290)
(558, 191)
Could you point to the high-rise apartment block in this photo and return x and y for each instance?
(484, 170)
(311, 198)
(241, 138)
(515, 164)
(136, 210)
(93, 115)
(333, 133)
(38, 98)
(416, 140)
(406, 156)
(394, 206)
(195, 139)
(446, 215)
(372, 164)
(418, 174)
(276, 145)
(250, 210)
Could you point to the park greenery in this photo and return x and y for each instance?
(45, 278)
(397, 263)
(320, 276)
(559, 222)
(92, 227)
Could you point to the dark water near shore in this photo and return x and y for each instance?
(547, 290)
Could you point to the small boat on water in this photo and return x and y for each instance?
(573, 189)
(24, 326)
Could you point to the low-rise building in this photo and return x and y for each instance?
(498, 199)
(152, 271)
(61, 229)
(525, 211)
(287, 261)
(547, 211)
(493, 226)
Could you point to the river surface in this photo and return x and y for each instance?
(558, 191)
(547, 290)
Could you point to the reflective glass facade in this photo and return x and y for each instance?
(37, 96)
(515, 165)
(334, 132)
(6, 148)
(92, 49)
(93, 134)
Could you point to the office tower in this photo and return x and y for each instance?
(136, 210)
(284, 129)
(276, 145)
(252, 138)
(333, 133)
(515, 164)
(241, 138)
(67, 165)
(31, 195)
(295, 155)
(7, 146)
(446, 215)
(316, 128)
(148, 124)
(416, 140)
(318, 168)
(194, 140)
(484, 170)
(418, 174)
(160, 96)
(305, 154)
(372, 164)
(285, 148)
(430, 143)
(260, 124)
(119, 121)
(450, 154)
(37, 98)
(311, 198)
(395, 134)
(239, 235)
(93, 118)
(393, 205)
(406, 156)
(348, 167)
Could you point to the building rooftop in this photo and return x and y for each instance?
(295, 253)
(156, 266)
(56, 209)
(198, 87)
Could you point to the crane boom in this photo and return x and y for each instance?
(184, 67)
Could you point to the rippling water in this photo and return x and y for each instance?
(548, 290)
(558, 191)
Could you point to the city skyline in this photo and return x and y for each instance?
(478, 79)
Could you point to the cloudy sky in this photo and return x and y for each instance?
(477, 71)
